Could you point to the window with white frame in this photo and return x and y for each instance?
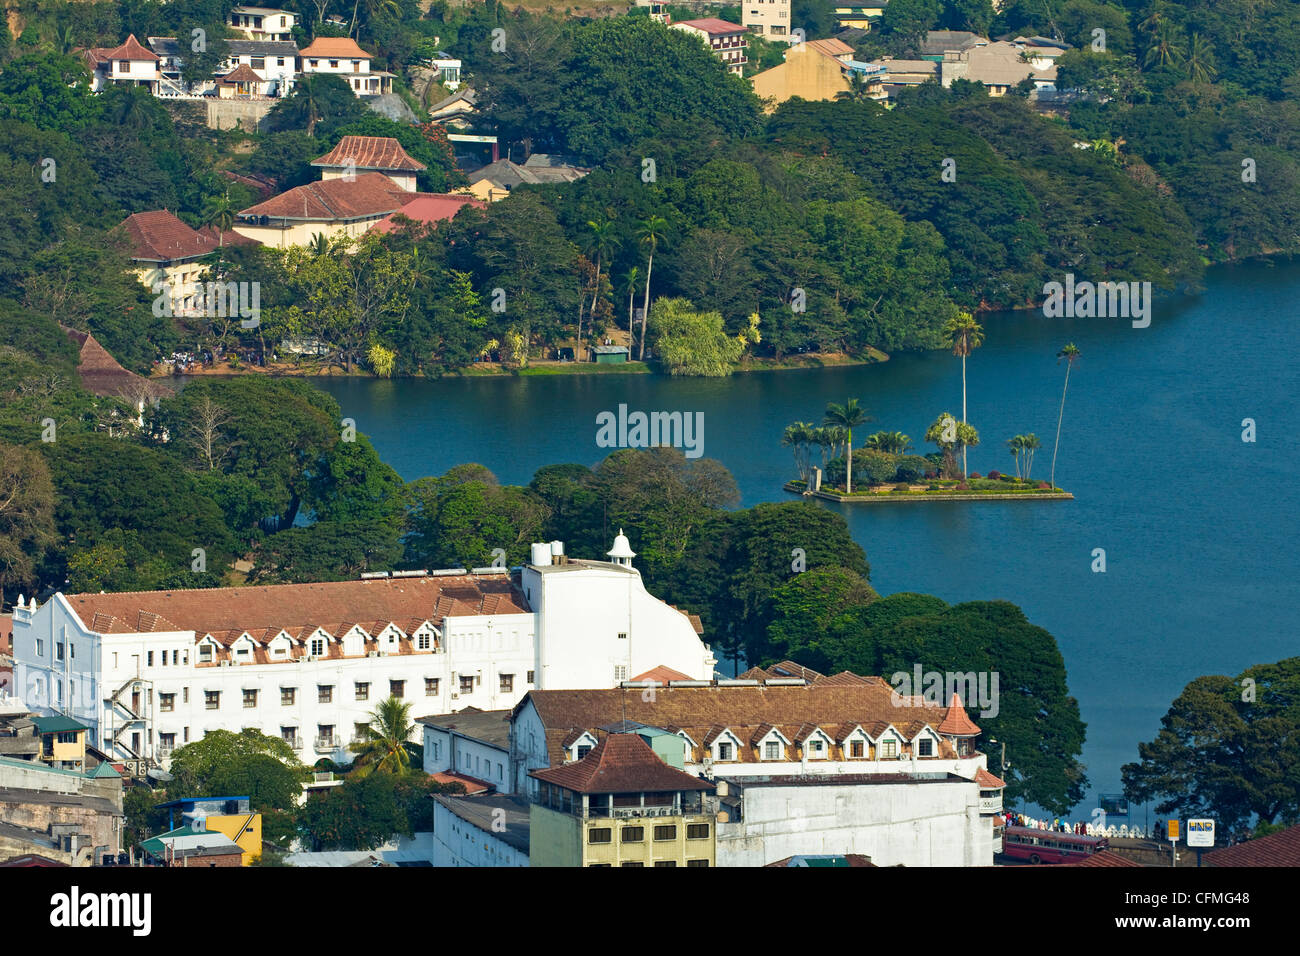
(318, 647)
(925, 747)
(889, 748)
(772, 750)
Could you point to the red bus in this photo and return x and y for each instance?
(1049, 846)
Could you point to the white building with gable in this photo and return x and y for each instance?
(150, 671)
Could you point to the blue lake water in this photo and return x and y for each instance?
(1198, 527)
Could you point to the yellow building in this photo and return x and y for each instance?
(245, 829)
(63, 742)
(620, 805)
(816, 70)
(859, 17)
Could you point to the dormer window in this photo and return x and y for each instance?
(422, 642)
(772, 750)
(889, 748)
(205, 653)
(318, 647)
(724, 751)
(925, 747)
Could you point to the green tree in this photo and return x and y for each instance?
(951, 436)
(248, 763)
(891, 443)
(1227, 748)
(26, 515)
(385, 745)
(964, 335)
(692, 343)
(650, 234)
(847, 416)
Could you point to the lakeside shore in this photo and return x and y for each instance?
(490, 370)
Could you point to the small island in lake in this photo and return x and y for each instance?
(884, 468)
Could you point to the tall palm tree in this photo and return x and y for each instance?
(1166, 49)
(1200, 60)
(320, 244)
(964, 335)
(310, 98)
(219, 211)
(650, 234)
(1017, 446)
(602, 242)
(1029, 445)
(384, 744)
(847, 416)
(1071, 355)
(798, 438)
(373, 10)
(962, 436)
(891, 443)
(631, 280)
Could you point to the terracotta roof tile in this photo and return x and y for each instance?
(428, 208)
(158, 236)
(956, 722)
(240, 74)
(713, 26)
(1103, 858)
(370, 194)
(370, 152)
(621, 763)
(299, 609)
(1276, 849)
(335, 47)
(988, 781)
(130, 50)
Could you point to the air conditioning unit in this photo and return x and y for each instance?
(455, 696)
(372, 653)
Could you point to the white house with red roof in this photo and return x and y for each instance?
(151, 671)
(343, 57)
(128, 63)
(165, 250)
(726, 40)
(366, 182)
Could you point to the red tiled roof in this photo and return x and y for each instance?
(31, 859)
(712, 26)
(1276, 849)
(269, 608)
(472, 785)
(370, 194)
(158, 236)
(240, 74)
(101, 374)
(335, 47)
(370, 152)
(130, 50)
(621, 763)
(428, 208)
(956, 722)
(1104, 858)
(988, 781)
(705, 713)
(663, 674)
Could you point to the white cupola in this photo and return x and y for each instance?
(622, 553)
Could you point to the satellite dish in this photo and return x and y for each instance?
(157, 773)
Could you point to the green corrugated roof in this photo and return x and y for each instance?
(105, 769)
(57, 724)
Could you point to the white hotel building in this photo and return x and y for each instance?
(151, 671)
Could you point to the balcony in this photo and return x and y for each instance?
(991, 804)
(294, 742)
(328, 744)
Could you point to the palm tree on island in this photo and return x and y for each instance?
(891, 443)
(1071, 355)
(847, 416)
(384, 744)
(964, 335)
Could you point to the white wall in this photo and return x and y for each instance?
(457, 843)
(446, 750)
(581, 610)
(913, 824)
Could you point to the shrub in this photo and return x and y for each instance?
(973, 474)
(995, 475)
(931, 475)
(901, 490)
(962, 486)
(1044, 486)
(933, 486)
(873, 467)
